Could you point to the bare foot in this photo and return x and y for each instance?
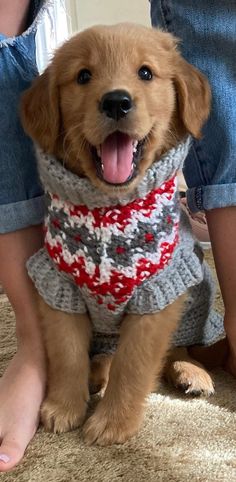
(21, 393)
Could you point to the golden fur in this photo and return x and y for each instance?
(64, 119)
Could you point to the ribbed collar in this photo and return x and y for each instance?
(70, 187)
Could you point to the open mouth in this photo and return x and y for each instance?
(117, 158)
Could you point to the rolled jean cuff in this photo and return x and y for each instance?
(204, 198)
(22, 214)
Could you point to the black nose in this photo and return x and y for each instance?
(116, 104)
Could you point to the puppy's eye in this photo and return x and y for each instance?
(84, 76)
(145, 73)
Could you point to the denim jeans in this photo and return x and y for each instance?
(21, 194)
(207, 29)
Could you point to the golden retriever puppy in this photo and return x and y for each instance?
(110, 116)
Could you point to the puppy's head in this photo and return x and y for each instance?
(113, 100)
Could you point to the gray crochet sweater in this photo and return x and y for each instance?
(126, 254)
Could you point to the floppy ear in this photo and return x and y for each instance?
(40, 113)
(193, 96)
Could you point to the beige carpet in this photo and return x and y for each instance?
(181, 440)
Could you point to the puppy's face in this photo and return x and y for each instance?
(113, 100)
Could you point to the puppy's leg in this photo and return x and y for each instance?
(187, 374)
(99, 373)
(144, 341)
(67, 338)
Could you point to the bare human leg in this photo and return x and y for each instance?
(22, 385)
(222, 229)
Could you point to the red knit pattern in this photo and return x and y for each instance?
(120, 286)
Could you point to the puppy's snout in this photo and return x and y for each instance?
(116, 104)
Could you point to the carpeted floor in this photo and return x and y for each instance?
(182, 439)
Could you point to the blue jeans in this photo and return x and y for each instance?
(207, 29)
(21, 194)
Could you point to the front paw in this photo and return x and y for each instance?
(107, 427)
(58, 415)
(191, 378)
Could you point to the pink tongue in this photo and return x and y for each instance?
(117, 157)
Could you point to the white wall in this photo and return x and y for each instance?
(52, 32)
(66, 17)
(85, 13)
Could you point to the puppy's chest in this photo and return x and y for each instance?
(108, 251)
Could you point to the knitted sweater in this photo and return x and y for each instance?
(125, 254)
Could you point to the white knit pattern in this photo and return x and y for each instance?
(75, 205)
